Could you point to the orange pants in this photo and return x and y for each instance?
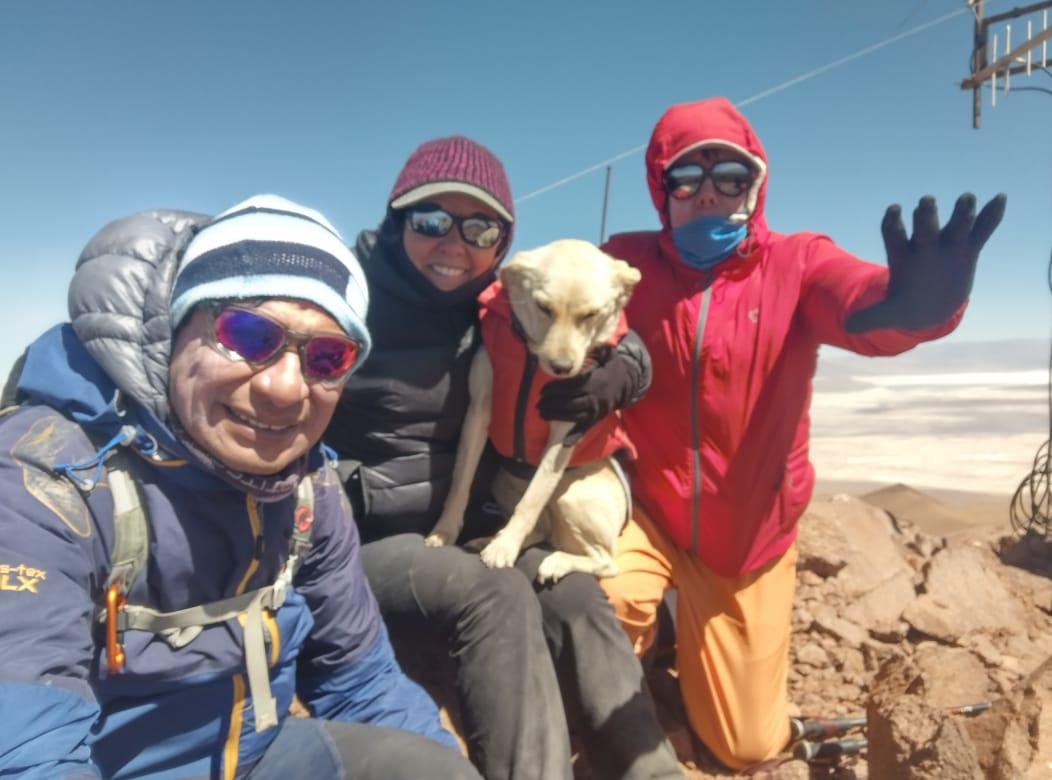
(732, 633)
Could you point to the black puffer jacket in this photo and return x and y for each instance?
(398, 423)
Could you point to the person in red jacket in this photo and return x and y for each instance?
(733, 315)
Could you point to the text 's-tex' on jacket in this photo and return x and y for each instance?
(723, 433)
(179, 709)
(517, 430)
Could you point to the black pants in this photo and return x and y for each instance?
(601, 679)
(327, 750)
(500, 633)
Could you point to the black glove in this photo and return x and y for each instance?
(587, 398)
(930, 274)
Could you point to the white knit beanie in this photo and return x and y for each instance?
(270, 247)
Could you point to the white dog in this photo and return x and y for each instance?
(566, 301)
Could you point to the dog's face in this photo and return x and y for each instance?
(567, 296)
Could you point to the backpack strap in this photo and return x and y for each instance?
(131, 540)
(179, 628)
(131, 535)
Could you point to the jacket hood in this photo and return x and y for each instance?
(688, 126)
(58, 372)
(118, 301)
(112, 358)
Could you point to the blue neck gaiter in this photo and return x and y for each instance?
(706, 241)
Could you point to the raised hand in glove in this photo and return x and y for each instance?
(929, 274)
(587, 398)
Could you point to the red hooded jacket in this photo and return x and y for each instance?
(516, 428)
(722, 435)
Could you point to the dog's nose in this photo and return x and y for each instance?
(562, 367)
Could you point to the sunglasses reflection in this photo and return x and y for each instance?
(433, 221)
(729, 177)
(241, 334)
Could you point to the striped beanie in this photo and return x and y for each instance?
(269, 247)
(454, 164)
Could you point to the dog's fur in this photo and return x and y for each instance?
(567, 296)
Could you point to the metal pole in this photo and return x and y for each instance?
(978, 62)
(1008, 48)
(606, 198)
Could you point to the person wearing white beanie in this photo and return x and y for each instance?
(185, 557)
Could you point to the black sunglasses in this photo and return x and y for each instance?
(241, 334)
(730, 177)
(433, 221)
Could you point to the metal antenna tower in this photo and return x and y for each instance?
(1011, 61)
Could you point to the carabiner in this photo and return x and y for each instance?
(115, 601)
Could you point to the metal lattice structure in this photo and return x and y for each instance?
(993, 57)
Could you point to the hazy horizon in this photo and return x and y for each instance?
(960, 416)
(952, 416)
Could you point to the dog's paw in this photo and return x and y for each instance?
(436, 539)
(554, 568)
(500, 553)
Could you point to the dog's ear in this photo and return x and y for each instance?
(625, 278)
(519, 272)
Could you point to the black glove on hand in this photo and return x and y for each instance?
(930, 274)
(587, 398)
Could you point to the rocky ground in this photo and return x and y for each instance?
(901, 625)
(906, 609)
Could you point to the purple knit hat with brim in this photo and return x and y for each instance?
(454, 164)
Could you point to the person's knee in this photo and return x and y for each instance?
(743, 737)
(577, 606)
(441, 762)
(455, 582)
(412, 759)
(745, 749)
(632, 610)
(386, 753)
(498, 593)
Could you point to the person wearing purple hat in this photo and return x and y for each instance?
(449, 222)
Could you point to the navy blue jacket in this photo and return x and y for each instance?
(170, 712)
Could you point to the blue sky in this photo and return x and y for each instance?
(113, 107)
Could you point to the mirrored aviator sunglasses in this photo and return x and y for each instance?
(242, 334)
(729, 177)
(433, 221)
